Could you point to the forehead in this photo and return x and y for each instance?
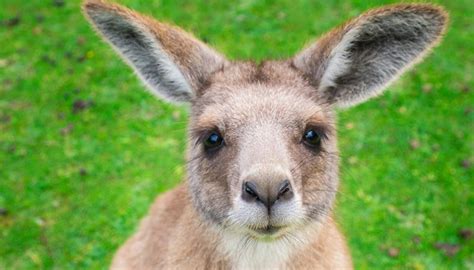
(246, 94)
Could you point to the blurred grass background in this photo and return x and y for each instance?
(84, 149)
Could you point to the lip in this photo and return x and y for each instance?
(268, 230)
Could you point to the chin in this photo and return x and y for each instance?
(267, 247)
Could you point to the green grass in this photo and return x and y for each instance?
(76, 184)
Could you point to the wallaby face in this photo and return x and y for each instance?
(262, 153)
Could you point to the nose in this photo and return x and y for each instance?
(252, 191)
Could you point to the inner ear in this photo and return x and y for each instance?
(172, 63)
(151, 63)
(359, 59)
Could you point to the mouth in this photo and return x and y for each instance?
(267, 233)
(268, 230)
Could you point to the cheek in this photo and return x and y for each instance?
(319, 170)
(317, 181)
(210, 189)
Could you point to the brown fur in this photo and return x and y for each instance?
(170, 239)
(262, 112)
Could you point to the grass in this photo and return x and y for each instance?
(84, 150)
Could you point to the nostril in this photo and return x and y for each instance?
(250, 191)
(285, 190)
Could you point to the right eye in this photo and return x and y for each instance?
(213, 141)
(312, 138)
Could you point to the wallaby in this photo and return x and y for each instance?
(262, 159)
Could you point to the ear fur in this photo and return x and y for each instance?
(358, 60)
(173, 64)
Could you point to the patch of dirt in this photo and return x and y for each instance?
(67, 129)
(82, 172)
(81, 105)
(393, 252)
(466, 234)
(37, 30)
(12, 22)
(5, 63)
(81, 40)
(448, 249)
(81, 58)
(3, 212)
(466, 163)
(427, 88)
(465, 88)
(58, 3)
(415, 144)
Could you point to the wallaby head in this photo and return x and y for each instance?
(262, 152)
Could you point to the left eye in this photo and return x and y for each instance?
(213, 141)
(312, 138)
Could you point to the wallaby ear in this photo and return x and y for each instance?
(173, 64)
(358, 60)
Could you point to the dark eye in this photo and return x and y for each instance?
(213, 141)
(312, 138)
